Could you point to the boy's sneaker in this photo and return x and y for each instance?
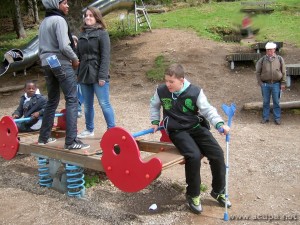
(85, 134)
(76, 145)
(9, 57)
(50, 140)
(220, 198)
(194, 204)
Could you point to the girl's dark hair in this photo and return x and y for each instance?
(175, 70)
(98, 16)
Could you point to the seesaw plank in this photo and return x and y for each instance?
(94, 142)
(168, 158)
(91, 161)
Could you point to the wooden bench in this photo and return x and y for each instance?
(242, 57)
(257, 6)
(261, 46)
(291, 70)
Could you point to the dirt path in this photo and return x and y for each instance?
(264, 159)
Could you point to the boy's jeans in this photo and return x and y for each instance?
(60, 78)
(191, 144)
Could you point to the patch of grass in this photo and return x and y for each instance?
(118, 28)
(281, 25)
(181, 188)
(203, 187)
(158, 72)
(296, 111)
(203, 19)
(91, 180)
(9, 41)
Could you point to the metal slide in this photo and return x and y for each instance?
(30, 52)
(106, 6)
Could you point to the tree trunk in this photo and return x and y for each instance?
(30, 9)
(18, 23)
(35, 12)
(283, 105)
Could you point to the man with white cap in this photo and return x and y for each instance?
(56, 52)
(271, 77)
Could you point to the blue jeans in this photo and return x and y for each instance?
(102, 94)
(80, 98)
(60, 78)
(267, 91)
(79, 107)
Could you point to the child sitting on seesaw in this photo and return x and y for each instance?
(181, 102)
(32, 105)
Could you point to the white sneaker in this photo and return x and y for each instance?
(50, 140)
(85, 134)
(9, 58)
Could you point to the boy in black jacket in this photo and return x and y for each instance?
(32, 104)
(182, 104)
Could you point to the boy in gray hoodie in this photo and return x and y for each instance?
(58, 61)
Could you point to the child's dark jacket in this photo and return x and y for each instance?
(37, 103)
(181, 112)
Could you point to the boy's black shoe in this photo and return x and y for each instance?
(220, 197)
(76, 145)
(194, 204)
(50, 140)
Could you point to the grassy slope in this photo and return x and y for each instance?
(282, 25)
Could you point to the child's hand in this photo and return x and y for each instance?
(35, 115)
(15, 116)
(155, 127)
(225, 129)
(75, 64)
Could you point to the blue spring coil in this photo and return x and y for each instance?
(45, 179)
(75, 181)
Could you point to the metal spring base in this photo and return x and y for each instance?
(75, 181)
(45, 179)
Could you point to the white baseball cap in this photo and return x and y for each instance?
(271, 45)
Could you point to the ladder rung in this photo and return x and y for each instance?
(141, 22)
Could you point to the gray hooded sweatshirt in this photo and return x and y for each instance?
(53, 37)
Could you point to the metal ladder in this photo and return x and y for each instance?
(141, 15)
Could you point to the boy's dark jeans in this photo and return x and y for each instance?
(191, 144)
(60, 78)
